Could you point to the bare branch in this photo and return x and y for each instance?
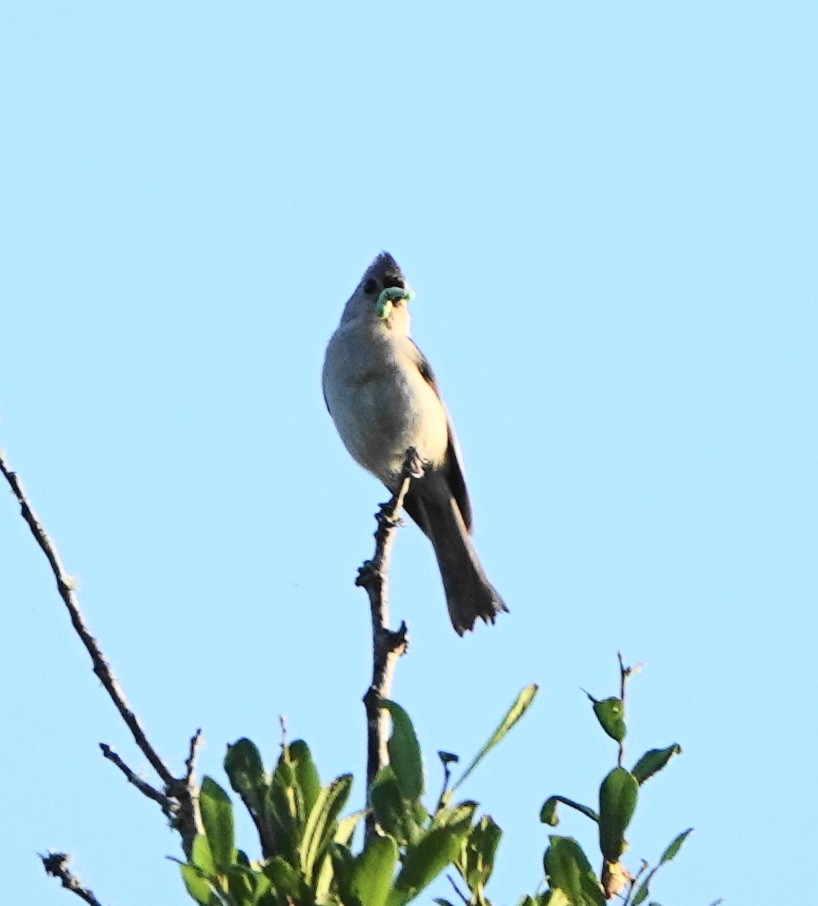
(193, 751)
(179, 799)
(625, 673)
(187, 819)
(457, 890)
(65, 586)
(56, 864)
(165, 803)
(387, 644)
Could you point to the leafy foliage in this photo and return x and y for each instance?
(307, 856)
(566, 865)
(306, 847)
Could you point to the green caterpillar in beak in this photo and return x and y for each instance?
(387, 299)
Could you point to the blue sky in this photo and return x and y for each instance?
(608, 213)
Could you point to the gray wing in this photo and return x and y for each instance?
(452, 469)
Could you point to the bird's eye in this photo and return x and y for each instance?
(370, 286)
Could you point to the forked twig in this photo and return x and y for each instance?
(133, 778)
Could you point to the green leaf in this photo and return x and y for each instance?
(641, 892)
(459, 815)
(373, 870)
(548, 812)
(617, 801)
(342, 863)
(321, 823)
(555, 898)
(198, 887)
(324, 877)
(246, 884)
(513, 715)
(287, 881)
(396, 815)
(424, 861)
(387, 803)
(305, 773)
(244, 768)
(283, 811)
(610, 712)
(674, 846)
(404, 752)
(653, 761)
(346, 828)
(476, 861)
(569, 872)
(201, 856)
(217, 817)
(285, 779)
(263, 885)
(241, 885)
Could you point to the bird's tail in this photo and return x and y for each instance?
(469, 594)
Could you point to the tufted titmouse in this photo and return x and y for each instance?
(382, 396)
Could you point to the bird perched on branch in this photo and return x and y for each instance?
(383, 398)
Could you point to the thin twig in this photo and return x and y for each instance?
(56, 864)
(179, 800)
(65, 587)
(624, 673)
(165, 803)
(192, 754)
(634, 880)
(387, 644)
(447, 759)
(457, 890)
(187, 819)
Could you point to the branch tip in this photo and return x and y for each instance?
(56, 865)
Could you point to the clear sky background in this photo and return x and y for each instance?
(609, 213)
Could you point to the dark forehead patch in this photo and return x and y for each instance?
(386, 271)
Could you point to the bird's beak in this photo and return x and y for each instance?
(390, 297)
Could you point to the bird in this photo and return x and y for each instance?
(383, 398)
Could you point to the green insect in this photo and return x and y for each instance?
(387, 299)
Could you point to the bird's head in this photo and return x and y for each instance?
(383, 291)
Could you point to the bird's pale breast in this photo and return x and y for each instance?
(381, 404)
